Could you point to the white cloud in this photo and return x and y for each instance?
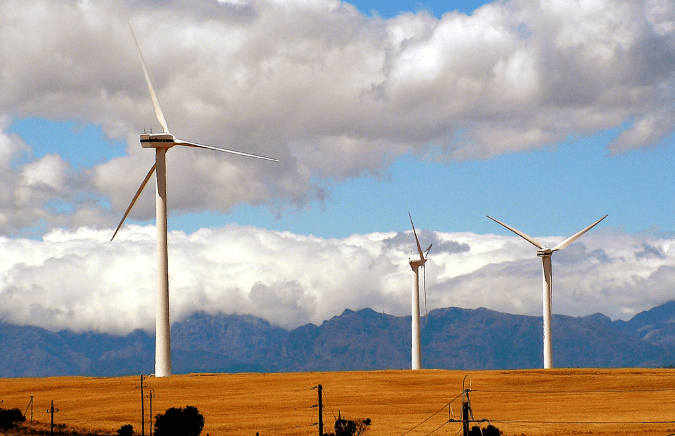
(79, 280)
(331, 93)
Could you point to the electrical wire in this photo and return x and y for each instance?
(325, 396)
(567, 392)
(613, 391)
(437, 428)
(314, 414)
(580, 422)
(436, 413)
(453, 400)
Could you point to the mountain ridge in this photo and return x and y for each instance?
(452, 338)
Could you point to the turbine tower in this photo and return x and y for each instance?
(162, 142)
(415, 264)
(545, 254)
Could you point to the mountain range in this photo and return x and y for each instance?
(452, 338)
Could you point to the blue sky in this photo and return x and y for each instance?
(538, 191)
(544, 115)
(552, 188)
(437, 8)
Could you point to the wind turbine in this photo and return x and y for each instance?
(162, 142)
(415, 264)
(545, 254)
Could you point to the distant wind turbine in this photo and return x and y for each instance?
(545, 254)
(415, 264)
(161, 142)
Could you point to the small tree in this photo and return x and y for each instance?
(345, 427)
(179, 422)
(126, 430)
(9, 418)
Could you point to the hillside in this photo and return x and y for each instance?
(452, 338)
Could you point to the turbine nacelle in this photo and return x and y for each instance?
(416, 263)
(422, 259)
(157, 140)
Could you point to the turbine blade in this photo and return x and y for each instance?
(576, 236)
(138, 193)
(158, 110)
(419, 249)
(426, 253)
(525, 236)
(425, 292)
(224, 150)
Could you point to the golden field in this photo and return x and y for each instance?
(530, 402)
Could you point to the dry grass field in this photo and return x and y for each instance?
(529, 402)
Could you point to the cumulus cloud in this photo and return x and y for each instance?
(77, 279)
(330, 92)
(39, 193)
(406, 241)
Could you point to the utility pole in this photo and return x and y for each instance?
(467, 413)
(142, 408)
(320, 411)
(30, 405)
(320, 406)
(150, 397)
(52, 410)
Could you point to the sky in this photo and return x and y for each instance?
(546, 115)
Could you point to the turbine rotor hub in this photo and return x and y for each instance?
(417, 262)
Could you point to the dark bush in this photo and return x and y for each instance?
(179, 422)
(126, 430)
(490, 430)
(9, 418)
(345, 427)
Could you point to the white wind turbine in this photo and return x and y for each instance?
(415, 264)
(545, 254)
(161, 142)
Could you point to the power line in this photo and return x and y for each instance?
(612, 391)
(448, 405)
(438, 428)
(435, 413)
(580, 422)
(325, 407)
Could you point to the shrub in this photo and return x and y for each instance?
(179, 422)
(126, 430)
(345, 427)
(490, 430)
(9, 418)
